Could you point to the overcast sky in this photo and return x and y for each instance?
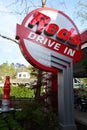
(9, 51)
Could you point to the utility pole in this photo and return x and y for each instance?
(43, 3)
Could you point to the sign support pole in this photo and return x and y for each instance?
(65, 99)
(65, 91)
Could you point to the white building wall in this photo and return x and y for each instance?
(23, 75)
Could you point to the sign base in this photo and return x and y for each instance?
(68, 127)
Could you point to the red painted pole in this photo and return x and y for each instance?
(54, 92)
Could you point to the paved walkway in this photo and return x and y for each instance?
(81, 117)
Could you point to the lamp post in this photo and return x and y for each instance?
(43, 3)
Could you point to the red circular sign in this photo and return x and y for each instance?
(45, 31)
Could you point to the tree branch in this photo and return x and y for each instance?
(8, 38)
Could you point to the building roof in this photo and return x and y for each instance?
(22, 69)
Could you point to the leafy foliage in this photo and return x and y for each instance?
(10, 70)
(81, 92)
(84, 81)
(81, 10)
(1, 91)
(7, 70)
(8, 122)
(33, 71)
(24, 92)
(32, 117)
(19, 92)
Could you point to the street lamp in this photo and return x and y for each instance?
(43, 3)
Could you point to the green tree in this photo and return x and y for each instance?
(37, 75)
(7, 70)
(81, 10)
(33, 71)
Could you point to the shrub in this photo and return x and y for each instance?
(35, 117)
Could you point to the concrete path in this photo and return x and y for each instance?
(81, 117)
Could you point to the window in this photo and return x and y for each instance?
(19, 75)
(24, 75)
